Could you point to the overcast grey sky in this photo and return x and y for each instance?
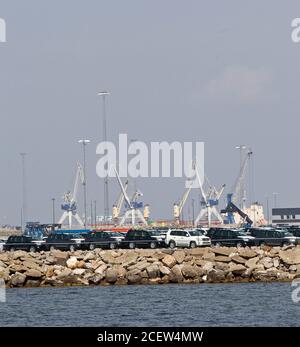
(221, 72)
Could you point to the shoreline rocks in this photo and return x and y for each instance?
(146, 266)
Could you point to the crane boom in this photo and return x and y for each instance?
(220, 192)
(121, 198)
(184, 199)
(123, 189)
(79, 175)
(236, 191)
(200, 183)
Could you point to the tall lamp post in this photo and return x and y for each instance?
(84, 144)
(241, 197)
(268, 209)
(53, 210)
(193, 210)
(24, 192)
(275, 195)
(135, 178)
(103, 94)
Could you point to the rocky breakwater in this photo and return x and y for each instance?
(143, 266)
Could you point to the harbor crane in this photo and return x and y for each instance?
(237, 192)
(232, 208)
(69, 205)
(118, 206)
(209, 202)
(133, 214)
(178, 207)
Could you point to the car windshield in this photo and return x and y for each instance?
(241, 233)
(110, 233)
(195, 233)
(76, 236)
(285, 233)
(154, 232)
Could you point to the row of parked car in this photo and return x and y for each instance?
(156, 238)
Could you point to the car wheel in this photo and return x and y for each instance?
(12, 249)
(52, 248)
(131, 245)
(262, 244)
(152, 245)
(72, 248)
(218, 244)
(285, 244)
(193, 244)
(239, 244)
(91, 247)
(112, 245)
(172, 244)
(32, 249)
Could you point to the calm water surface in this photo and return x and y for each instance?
(255, 304)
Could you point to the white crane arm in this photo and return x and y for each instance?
(123, 189)
(121, 198)
(200, 183)
(220, 192)
(79, 175)
(238, 183)
(184, 199)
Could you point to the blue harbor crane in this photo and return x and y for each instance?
(69, 205)
(237, 193)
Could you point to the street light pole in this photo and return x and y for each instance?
(84, 143)
(24, 193)
(53, 210)
(275, 199)
(193, 209)
(106, 194)
(134, 178)
(268, 210)
(241, 197)
(95, 211)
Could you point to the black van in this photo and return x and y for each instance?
(63, 242)
(25, 243)
(100, 239)
(295, 230)
(229, 237)
(139, 238)
(272, 237)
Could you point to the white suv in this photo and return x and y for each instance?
(186, 238)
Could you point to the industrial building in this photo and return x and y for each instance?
(286, 216)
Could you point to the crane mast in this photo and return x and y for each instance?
(237, 192)
(69, 205)
(133, 215)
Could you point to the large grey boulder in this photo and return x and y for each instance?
(33, 273)
(290, 257)
(179, 255)
(237, 269)
(189, 271)
(176, 274)
(169, 261)
(153, 271)
(18, 279)
(215, 276)
(247, 253)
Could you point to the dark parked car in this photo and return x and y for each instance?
(25, 243)
(64, 242)
(230, 237)
(139, 238)
(99, 239)
(295, 230)
(272, 237)
(116, 235)
(158, 236)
